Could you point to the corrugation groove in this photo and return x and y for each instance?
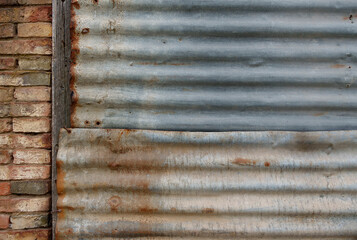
(214, 65)
(124, 184)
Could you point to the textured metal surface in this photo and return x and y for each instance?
(217, 65)
(159, 184)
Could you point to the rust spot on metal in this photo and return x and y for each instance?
(339, 66)
(60, 177)
(85, 30)
(69, 131)
(95, 2)
(267, 164)
(319, 114)
(148, 210)
(244, 162)
(208, 210)
(114, 202)
(98, 123)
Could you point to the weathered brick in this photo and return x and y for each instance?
(26, 14)
(33, 94)
(7, 30)
(30, 109)
(5, 188)
(7, 63)
(5, 125)
(22, 172)
(40, 29)
(24, 79)
(8, 2)
(26, 46)
(31, 125)
(5, 156)
(32, 156)
(26, 221)
(35, 63)
(33, 2)
(4, 221)
(30, 187)
(24, 204)
(6, 94)
(31, 141)
(4, 110)
(5, 140)
(35, 234)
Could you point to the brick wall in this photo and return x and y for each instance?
(25, 121)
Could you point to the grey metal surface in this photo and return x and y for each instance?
(216, 65)
(219, 185)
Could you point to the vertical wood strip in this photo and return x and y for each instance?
(60, 85)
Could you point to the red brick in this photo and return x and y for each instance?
(4, 110)
(7, 63)
(8, 2)
(30, 109)
(26, 14)
(24, 204)
(31, 141)
(5, 140)
(40, 29)
(35, 63)
(5, 125)
(32, 156)
(26, 46)
(33, 94)
(38, 234)
(7, 30)
(4, 221)
(5, 188)
(25, 78)
(33, 2)
(5, 156)
(31, 125)
(22, 172)
(6, 94)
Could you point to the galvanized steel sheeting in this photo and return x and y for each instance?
(168, 185)
(214, 65)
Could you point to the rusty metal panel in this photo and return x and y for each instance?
(218, 65)
(219, 185)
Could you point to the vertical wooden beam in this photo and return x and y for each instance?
(61, 47)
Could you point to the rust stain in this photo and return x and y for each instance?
(114, 202)
(85, 30)
(60, 177)
(74, 53)
(208, 210)
(148, 210)
(319, 114)
(244, 162)
(160, 64)
(95, 2)
(267, 164)
(338, 66)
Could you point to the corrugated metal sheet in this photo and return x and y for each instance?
(185, 185)
(217, 65)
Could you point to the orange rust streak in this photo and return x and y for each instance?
(244, 162)
(267, 164)
(338, 66)
(208, 210)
